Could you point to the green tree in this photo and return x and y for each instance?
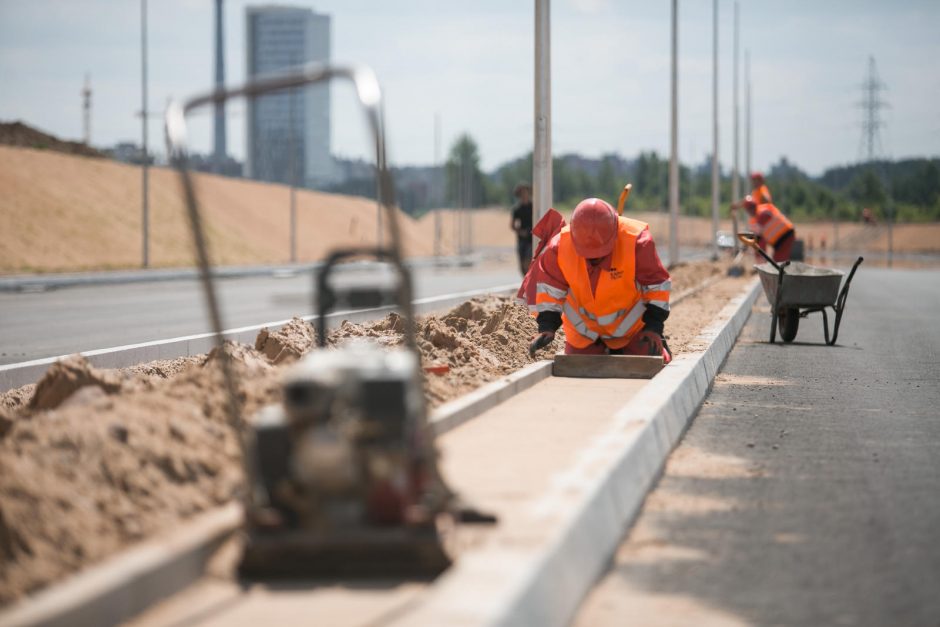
(465, 183)
(866, 188)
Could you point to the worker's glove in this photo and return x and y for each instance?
(651, 343)
(541, 340)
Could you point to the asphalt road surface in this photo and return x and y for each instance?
(807, 490)
(69, 320)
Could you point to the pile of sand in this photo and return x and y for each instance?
(479, 341)
(94, 460)
(287, 344)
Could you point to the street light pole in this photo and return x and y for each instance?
(716, 175)
(292, 146)
(145, 218)
(735, 190)
(674, 149)
(747, 111)
(542, 150)
(437, 186)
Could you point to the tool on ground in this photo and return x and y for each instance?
(796, 289)
(540, 341)
(623, 198)
(342, 476)
(607, 366)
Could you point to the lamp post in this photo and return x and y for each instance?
(674, 145)
(144, 112)
(542, 150)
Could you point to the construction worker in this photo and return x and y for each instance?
(771, 227)
(759, 190)
(602, 278)
(521, 225)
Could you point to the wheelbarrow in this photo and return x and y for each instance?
(796, 289)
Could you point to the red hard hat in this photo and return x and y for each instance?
(593, 228)
(757, 176)
(749, 202)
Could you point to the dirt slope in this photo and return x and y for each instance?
(62, 212)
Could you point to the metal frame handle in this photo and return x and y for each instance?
(369, 95)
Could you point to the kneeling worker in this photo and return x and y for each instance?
(771, 227)
(602, 278)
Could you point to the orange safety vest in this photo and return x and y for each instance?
(614, 311)
(761, 195)
(775, 228)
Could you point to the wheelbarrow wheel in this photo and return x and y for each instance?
(788, 321)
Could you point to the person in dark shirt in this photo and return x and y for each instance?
(521, 224)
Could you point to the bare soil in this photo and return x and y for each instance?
(92, 460)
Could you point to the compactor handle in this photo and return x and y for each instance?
(328, 297)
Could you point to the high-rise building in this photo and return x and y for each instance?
(288, 133)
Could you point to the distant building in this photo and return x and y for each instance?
(128, 152)
(288, 134)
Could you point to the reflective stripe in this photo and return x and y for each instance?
(578, 322)
(635, 314)
(648, 296)
(776, 227)
(554, 292)
(610, 318)
(665, 286)
(662, 304)
(548, 307)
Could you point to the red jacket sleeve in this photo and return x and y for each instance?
(653, 279)
(551, 288)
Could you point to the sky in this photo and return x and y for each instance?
(471, 63)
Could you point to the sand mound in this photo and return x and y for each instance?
(286, 344)
(480, 340)
(67, 376)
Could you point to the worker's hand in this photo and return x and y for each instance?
(651, 343)
(541, 340)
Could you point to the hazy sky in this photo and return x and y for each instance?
(472, 62)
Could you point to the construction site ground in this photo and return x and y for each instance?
(805, 491)
(502, 461)
(94, 461)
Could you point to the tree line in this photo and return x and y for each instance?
(907, 190)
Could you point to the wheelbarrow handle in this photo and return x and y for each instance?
(750, 240)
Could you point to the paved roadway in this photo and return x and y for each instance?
(58, 322)
(806, 491)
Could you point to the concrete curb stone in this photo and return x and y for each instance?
(583, 516)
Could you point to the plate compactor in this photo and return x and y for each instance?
(342, 477)
(344, 473)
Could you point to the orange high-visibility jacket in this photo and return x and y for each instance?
(761, 195)
(769, 223)
(613, 312)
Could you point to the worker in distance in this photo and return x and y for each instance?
(770, 226)
(602, 279)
